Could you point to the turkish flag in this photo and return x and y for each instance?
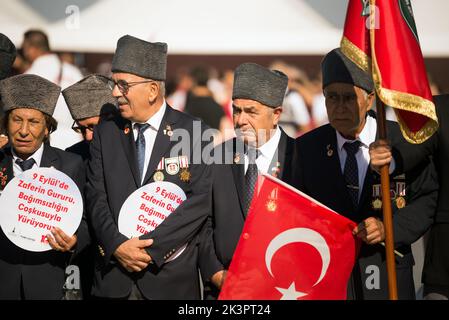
(380, 36)
(291, 247)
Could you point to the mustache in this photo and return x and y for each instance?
(122, 101)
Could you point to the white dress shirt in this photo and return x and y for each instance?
(150, 135)
(37, 156)
(366, 137)
(266, 153)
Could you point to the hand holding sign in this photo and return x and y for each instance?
(35, 202)
(147, 207)
(60, 241)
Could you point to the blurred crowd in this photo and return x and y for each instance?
(200, 90)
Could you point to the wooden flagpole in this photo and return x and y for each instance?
(386, 206)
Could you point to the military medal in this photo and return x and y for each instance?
(158, 176)
(376, 203)
(400, 193)
(400, 202)
(172, 165)
(330, 152)
(271, 204)
(185, 174)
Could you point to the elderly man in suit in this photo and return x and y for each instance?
(261, 146)
(130, 151)
(89, 100)
(29, 102)
(331, 164)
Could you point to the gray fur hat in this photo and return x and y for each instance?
(336, 67)
(7, 56)
(254, 82)
(29, 91)
(89, 97)
(145, 59)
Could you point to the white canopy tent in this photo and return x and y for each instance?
(266, 27)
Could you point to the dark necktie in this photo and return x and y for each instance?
(25, 164)
(351, 171)
(250, 177)
(140, 146)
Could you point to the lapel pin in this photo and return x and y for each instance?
(330, 152)
(237, 158)
(126, 130)
(276, 169)
(168, 130)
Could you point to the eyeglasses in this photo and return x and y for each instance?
(123, 85)
(337, 98)
(82, 129)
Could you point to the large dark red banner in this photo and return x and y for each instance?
(381, 37)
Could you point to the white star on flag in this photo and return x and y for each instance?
(290, 293)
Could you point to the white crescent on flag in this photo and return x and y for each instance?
(303, 235)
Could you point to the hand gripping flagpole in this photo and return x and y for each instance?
(386, 207)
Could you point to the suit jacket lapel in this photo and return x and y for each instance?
(162, 143)
(129, 146)
(282, 154)
(335, 171)
(49, 158)
(238, 170)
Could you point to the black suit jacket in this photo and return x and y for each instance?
(411, 155)
(42, 273)
(80, 148)
(227, 216)
(317, 172)
(113, 176)
(436, 263)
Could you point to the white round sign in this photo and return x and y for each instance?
(148, 206)
(34, 202)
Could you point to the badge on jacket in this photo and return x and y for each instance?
(397, 193)
(159, 175)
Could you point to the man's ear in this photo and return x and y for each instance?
(370, 100)
(277, 114)
(153, 91)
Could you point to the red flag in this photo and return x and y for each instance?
(291, 247)
(355, 43)
(388, 46)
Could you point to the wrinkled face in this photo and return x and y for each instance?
(26, 130)
(347, 106)
(254, 121)
(134, 104)
(87, 127)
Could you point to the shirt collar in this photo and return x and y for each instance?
(366, 137)
(156, 119)
(37, 155)
(269, 147)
